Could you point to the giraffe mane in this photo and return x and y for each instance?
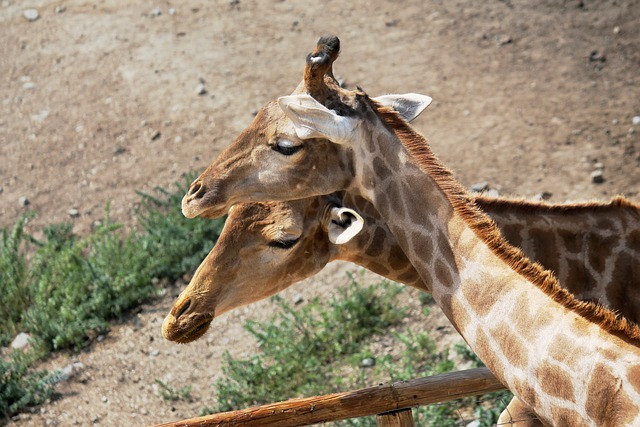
(486, 229)
(518, 205)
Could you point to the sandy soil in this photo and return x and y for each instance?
(98, 100)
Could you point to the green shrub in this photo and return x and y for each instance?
(16, 294)
(19, 386)
(176, 243)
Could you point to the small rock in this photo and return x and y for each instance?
(154, 134)
(31, 15)
(74, 213)
(636, 120)
(480, 187)
(631, 131)
(95, 419)
(28, 85)
(298, 299)
(51, 422)
(59, 9)
(597, 177)
(200, 89)
(66, 373)
(616, 30)
(177, 139)
(503, 39)
(474, 423)
(119, 150)
(597, 56)
(492, 192)
(23, 201)
(143, 411)
(545, 195)
(172, 11)
(21, 341)
(615, 121)
(104, 399)
(154, 353)
(155, 12)
(598, 166)
(368, 362)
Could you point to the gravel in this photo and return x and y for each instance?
(31, 15)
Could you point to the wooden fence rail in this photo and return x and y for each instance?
(357, 403)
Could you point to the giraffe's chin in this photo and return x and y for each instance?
(184, 334)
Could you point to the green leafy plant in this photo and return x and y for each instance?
(172, 394)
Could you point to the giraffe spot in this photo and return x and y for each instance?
(577, 279)
(634, 377)
(599, 250)
(397, 259)
(623, 295)
(525, 392)
(455, 312)
(513, 234)
(409, 276)
(605, 396)
(566, 417)
(546, 249)
(381, 169)
(555, 382)
(377, 243)
(379, 268)
(527, 323)
(512, 347)
(605, 224)
(571, 241)
(633, 241)
(443, 275)
(480, 295)
(564, 350)
(422, 247)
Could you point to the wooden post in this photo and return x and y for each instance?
(401, 418)
(357, 403)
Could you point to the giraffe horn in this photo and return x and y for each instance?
(319, 64)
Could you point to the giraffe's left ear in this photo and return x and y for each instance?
(343, 224)
(409, 105)
(313, 120)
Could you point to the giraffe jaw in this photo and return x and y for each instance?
(184, 331)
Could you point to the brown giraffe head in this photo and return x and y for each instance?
(263, 249)
(276, 159)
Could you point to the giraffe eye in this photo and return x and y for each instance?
(283, 244)
(286, 147)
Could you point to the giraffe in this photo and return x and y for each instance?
(277, 238)
(571, 362)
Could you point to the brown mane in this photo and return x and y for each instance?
(518, 205)
(484, 227)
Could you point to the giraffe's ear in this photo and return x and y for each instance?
(313, 120)
(409, 105)
(343, 224)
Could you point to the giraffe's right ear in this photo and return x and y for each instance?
(343, 224)
(311, 119)
(409, 105)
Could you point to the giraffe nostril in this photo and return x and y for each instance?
(197, 190)
(182, 310)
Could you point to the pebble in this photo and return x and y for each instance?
(597, 176)
(59, 9)
(545, 195)
(492, 192)
(298, 299)
(368, 362)
(200, 89)
(154, 353)
(21, 340)
(28, 85)
(23, 201)
(636, 120)
(74, 213)
(31, 14)
(480, 187)
(95, 419)
(104, 399)
(66, 373)
(155, 12)
(172, 11)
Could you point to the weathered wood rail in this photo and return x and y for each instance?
(391, 402)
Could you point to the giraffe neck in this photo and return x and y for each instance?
(590, 247)
(512, 314)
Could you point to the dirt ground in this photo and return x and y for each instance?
(100, 99)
